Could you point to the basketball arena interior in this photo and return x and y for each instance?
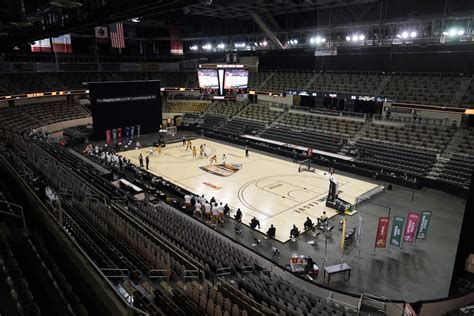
(236, 157)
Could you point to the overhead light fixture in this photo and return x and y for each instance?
(194, 47)
(361, 37)
(454, 31)
(317, 40)
(264, 43)
(413, 34)
(348, 38)
(68, 4)
(405, 35)
(207, 47)
(221, 45)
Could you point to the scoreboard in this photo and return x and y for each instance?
(223, 79)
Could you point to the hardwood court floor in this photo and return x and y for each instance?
(268, 188)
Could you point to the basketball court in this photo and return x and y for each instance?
(268, 188)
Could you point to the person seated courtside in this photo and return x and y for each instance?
(271, 232)
(254, 223)
(308, 223)
(294, 232)
(323, 219)
(238, 215)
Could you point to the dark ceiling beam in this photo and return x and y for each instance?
(271, 36)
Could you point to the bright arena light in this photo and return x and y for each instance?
(361, 37)
(207, 47)
(405, 35)
(355, 38)
(348, 38)
(413, 34)
(221, 45)
(264, 43)
(452, 32)
(194, 47)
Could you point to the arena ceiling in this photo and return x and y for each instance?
(23, 21)
(232, 9)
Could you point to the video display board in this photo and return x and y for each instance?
(120, 104)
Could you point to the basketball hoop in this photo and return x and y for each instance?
(305, 165)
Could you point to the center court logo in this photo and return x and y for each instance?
(222, 170)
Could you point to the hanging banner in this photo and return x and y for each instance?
(343, 237)
(410, 227)
(176, 42)
(119, 133)
(108, 136)
(424, 224)
(397, 228)
(62, 44)
(382, 231)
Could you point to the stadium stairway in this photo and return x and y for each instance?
(456, 140)
(309, 84)
(465, 83)
(382, 85)
(353, 140)
(437, 167)
(266, 80)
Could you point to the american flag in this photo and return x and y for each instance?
(116, 35)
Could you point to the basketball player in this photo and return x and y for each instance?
(201, 151)
(197, 209)
(207, 211)
(184, 141)
(213, 158)
(189, 145)
(194, 152)
(224, 158)
(158, 150)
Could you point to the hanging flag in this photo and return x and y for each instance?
(40, 46)
(343, 237)
(116, 35)
(410, 227)
(62, 44)
(176, 42)
(382, 231)
(424, 224)
(101, 34)
(397, 228)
